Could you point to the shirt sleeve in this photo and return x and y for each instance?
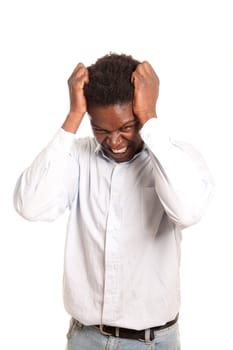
(48, 186)
(183, 181)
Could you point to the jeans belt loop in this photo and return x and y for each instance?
(147, 336)
(117, 331)
(102, 330)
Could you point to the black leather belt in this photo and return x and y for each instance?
(132, 333)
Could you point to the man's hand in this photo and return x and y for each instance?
(78, 104)
(146, 91)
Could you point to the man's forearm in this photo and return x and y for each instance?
(72, 122)
(182, 179)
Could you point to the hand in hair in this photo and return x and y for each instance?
(78, 105)
(146, 91)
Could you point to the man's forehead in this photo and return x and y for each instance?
(112, 116)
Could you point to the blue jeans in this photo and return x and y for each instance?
(89, 338)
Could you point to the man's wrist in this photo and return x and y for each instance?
(72, 122)
(144, 119)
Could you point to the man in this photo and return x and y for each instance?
(130, 191)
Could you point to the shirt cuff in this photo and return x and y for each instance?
(62, 141)
(154, 132)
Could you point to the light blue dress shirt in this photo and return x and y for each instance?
(122, 252)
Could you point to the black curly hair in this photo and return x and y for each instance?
(110, 80)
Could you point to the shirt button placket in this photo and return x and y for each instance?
(112, 255)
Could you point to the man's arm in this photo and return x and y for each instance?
(182, 179)
(78, 105)
(146, 92)
(48, 186)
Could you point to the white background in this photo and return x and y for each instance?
(189, 44)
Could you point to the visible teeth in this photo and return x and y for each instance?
(122, 150)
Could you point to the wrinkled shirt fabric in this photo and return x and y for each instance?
(122, 251)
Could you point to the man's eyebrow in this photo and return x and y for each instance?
(128, 122)
(97, 126)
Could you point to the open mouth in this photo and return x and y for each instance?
(122, 154)
(118, 154)
(119, 151)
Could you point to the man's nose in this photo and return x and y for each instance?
(114, 139)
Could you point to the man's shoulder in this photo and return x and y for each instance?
(86, 144)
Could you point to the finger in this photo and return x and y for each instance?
(86, 77)
(79, 70)
(79, 65)
(136, 77)
(132, 78)
(150, 70)
(79, 74)
(145, 69)
(142, 68)
(137, 74)
(147, 66)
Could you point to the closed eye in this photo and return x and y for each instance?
(128, 128)
(100, 131)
